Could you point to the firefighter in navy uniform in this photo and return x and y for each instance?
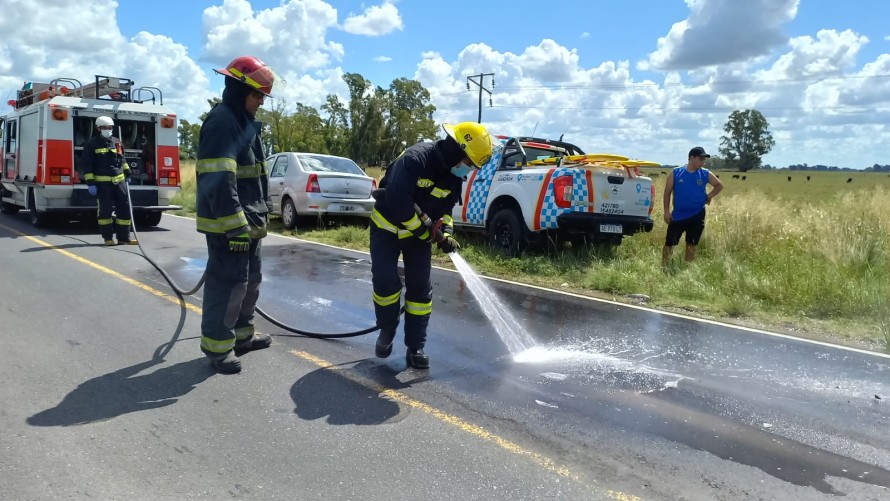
(426, 177)
(232, 206)
(105, 171)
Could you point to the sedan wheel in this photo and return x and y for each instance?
(288, 214)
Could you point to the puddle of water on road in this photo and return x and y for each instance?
(195, 263)
(511, 332)
(581, 362)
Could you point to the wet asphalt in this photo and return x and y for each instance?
(628, 400)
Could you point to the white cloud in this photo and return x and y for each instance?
(585, 35)
(383, 59)
(291, 38)
(291, 35)
(824, 104)
(723, 31)
(374, 21)
(808, 92)
(67, 50)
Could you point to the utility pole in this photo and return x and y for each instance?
(479, 80)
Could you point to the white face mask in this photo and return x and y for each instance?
(105, 133)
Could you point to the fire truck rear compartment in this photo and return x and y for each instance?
(139, 142)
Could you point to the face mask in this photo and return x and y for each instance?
(106, 133)
(461, 170)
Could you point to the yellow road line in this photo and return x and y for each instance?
(477, 431)
(147, 288)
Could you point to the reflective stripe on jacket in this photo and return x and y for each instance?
(232, 190)
(419, 176)
(101, 163)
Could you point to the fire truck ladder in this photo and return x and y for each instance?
(113, 87)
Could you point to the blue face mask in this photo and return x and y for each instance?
(461, 170)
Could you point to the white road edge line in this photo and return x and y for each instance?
(625, 305)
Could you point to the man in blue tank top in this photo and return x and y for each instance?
(687, 185)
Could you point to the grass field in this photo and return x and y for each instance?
(809, 258)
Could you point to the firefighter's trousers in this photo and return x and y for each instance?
(112, 197)
(417, 256)
(230, 295)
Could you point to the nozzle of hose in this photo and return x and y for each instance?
(436, 234)
(423, 217)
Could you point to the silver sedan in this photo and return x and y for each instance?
(304, 185)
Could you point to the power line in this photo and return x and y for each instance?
(666, 85)
(686, 108)
(684, 84)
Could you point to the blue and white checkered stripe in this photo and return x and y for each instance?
(580, 190)
(481, 188)
(550, 211)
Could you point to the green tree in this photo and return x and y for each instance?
(365, 119)
(409, 117)
(188, 139)
(336, 126)
(748, 139)
(277, 128)
(308, 130)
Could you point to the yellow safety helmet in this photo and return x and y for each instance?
(474, 139)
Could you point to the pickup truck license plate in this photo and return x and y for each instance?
(610, 228)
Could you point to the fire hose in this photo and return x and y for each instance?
(180, 292)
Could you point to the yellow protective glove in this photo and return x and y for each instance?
(449, 244)
(240, 243)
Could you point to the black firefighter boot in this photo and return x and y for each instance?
(257, 342)
(226, 364)
(384, 342)
(417, 359)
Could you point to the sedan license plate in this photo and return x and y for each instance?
(610, 228)
(348, 208)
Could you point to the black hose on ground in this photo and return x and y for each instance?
(181, 293)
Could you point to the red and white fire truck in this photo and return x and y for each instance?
(43, 138)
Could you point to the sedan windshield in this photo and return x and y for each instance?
(318, 163)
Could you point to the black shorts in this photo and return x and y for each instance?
(693, 227)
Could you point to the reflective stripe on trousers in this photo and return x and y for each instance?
(113, 198)
(230, 295)
(417, 256)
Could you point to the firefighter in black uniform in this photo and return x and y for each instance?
(232, 211)
(105, 171)
(422, 185)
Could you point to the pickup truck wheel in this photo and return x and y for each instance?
(507, 232)
(9, 209)
(288, 214)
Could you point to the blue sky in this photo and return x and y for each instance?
(644, 78)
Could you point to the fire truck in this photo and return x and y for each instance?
(43, 139)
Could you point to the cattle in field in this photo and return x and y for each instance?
(744, 177)
(808, 178)
(850, 180)
(789, 179)
(735, 176)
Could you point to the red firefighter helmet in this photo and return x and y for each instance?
(254, 73)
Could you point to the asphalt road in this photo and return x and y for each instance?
(107, 395)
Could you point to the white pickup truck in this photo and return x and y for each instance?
(537, 188)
